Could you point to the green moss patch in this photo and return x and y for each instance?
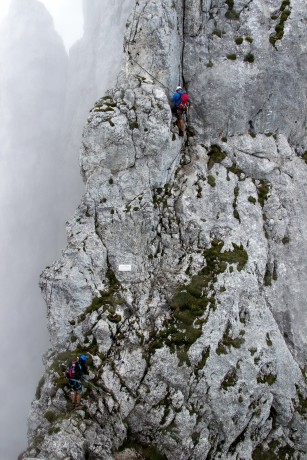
(105, 104)
(234, 169)
(93, 347)
(133, 125)
(249, 57)
(267, 277)
(286, 452)
(199, 191)
(268, 340)
(228, 341)
(109, 296)
(270, 379)
(110, 103)
(263, 189)
(114, 318)
(107, 98)
(50, 416)
(231, 56)
(218, 32)
(55, 419)
(110, 122)
(230, 379)
(53, 430)
(301, 406)
(252, 200)
(160, 195)
(275, 274)
(191, 303)
(284, 13)
(235, 203)
(202, 362)
(36, 444)
(216, 155)
(217, 260)
(272, 452)
(146, 452)
(211, 181)
(231, 13)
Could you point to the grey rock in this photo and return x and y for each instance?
(198, 346)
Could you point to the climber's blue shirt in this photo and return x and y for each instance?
(176, 97)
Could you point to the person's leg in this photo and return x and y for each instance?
(78, 400)
(79, 392)
(73, 393)
(180, 122)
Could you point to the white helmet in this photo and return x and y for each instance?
(178, 87)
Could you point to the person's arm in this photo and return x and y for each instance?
(78, 372)
(85, 370)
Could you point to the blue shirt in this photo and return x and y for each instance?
(176, 97)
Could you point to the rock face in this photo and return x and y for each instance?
(201, 344)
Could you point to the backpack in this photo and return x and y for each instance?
(184, 101)
(71, 370)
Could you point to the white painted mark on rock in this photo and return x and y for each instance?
(124, 268)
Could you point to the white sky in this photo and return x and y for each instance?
(3, 7)
(67, 16)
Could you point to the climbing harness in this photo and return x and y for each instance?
(77, 385)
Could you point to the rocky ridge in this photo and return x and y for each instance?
(201, 345)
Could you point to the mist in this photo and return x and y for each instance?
(45, 95)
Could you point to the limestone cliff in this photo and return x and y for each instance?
(201, 344)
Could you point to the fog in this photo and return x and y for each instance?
(41, 119)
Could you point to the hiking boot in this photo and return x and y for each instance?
(181, 133)
(79, 406)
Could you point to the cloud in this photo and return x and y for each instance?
(67, 16)
(68, 19)
(4, 5)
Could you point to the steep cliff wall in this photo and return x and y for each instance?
(201, 344)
